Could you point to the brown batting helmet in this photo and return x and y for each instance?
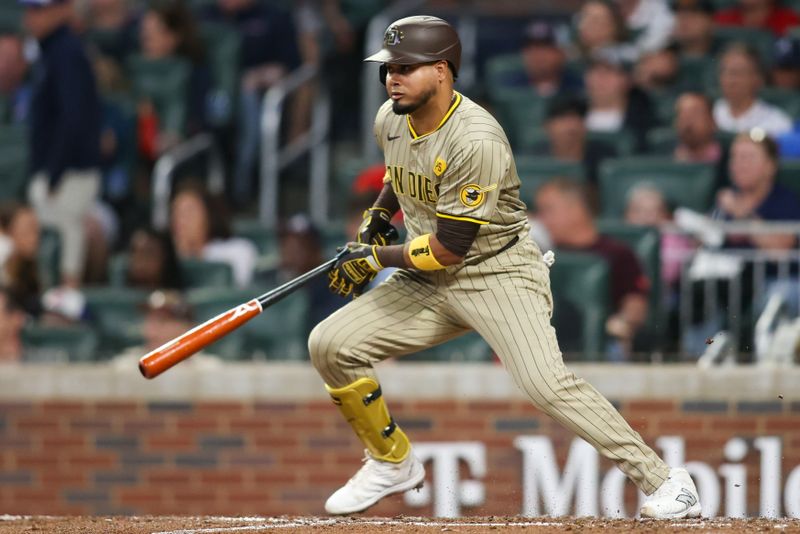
(419, 39)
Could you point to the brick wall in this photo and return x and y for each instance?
(259, 457)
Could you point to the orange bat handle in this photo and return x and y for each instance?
(156, 362)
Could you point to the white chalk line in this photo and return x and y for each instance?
(284, 523)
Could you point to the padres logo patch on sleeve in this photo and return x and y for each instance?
(473, 195)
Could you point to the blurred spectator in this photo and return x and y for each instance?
(65, 132)
(19, 248)
(646, 206)
(694, 28)
(14, 87)
(112, 27)
(301, 251)
(741, 77)
(657, 70)
(615, 104)
(786, 67)
(696, 131)
(563, 207)
(168, 30)
(755, 194)
(545, 62)
(269, 51)
(694, 124)
(152, 261)
(167, 316)
(565, 124)
(370, 180)
(760, 14)
(601, 27)
(12, 319)
(649, 21)
(201, 228)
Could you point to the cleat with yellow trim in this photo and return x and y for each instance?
(375, 480)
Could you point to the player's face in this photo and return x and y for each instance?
(410, 86)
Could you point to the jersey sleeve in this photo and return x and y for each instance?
(380, 124)
(471, 187)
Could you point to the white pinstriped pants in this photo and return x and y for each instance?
(507, 300)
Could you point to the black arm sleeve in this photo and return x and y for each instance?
(387, 200)
(456, 236)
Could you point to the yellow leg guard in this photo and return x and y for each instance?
(362, 405)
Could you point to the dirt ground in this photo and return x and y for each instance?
(368, 525)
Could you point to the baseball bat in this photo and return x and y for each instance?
(175, 351)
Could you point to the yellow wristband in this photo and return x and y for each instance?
(421, 255)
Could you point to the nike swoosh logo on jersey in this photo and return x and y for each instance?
(392, 138)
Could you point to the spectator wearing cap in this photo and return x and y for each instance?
(167, 315)
(565, 124)
(741, 77)
(301, 251)
(760, 14)
(615, 103)
(65, 132)
(786, 68)
(694, 28)
(545, 62)
(15, 87)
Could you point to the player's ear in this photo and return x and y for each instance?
(441, 70)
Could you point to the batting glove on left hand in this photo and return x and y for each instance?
(354, 270)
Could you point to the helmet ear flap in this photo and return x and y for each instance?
(382, 73)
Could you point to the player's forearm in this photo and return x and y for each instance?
(387, 200)
(400, 255)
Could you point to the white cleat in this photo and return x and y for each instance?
(374, 481)
(676, 498)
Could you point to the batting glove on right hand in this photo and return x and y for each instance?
(376, 229)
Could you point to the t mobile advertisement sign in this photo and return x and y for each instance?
(580, 489)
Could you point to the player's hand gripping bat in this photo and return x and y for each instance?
(173, 352)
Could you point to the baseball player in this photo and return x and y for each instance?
(467, 264)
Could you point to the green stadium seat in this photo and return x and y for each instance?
(49, 257)
(664, 105)
(761, 40)
(116, 313)
(469, 347)
(662, 141)
(265, 239)
(789, 175)
(201, 273)
(646, 244)
(534, 171)
(281, 331)
(10, 17)
(165, 83)
(222, 45)
(623, 141)
(501, 70)
(786, 99)
(693, 72)
(517, 111)
(59, 344)
(689, 185)
(13, 162)
(583, 280)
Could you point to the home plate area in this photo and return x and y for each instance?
(222, 525)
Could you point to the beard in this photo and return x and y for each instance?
(400, 109)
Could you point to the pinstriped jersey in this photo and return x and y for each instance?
(462, 170)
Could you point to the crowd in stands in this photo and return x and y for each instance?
(102, 88)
